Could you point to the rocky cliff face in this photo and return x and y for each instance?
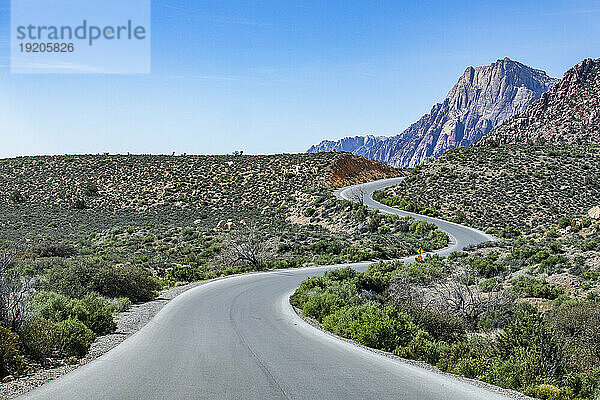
(569, 113)
(483, 98)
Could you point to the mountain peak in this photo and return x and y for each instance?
(482, 98)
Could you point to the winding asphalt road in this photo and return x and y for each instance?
(238, 338)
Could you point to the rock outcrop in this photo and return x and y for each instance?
(569, 113)
(482, 99)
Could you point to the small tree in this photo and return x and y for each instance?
(79, 204)
(16, 197)
(248, 247)
(357, 195)
(14, 292)
(91, 189)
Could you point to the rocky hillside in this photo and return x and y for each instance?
(482, 99)
(569, 113)
(71, 193)
(522, 187)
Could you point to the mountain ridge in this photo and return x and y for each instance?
(482, 98)
(568, 113)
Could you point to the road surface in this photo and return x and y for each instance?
(238, 338)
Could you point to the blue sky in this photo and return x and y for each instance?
(277, 76)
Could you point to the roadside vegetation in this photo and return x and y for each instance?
(86, 237)
(522, 313)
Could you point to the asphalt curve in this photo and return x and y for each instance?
(238, 338)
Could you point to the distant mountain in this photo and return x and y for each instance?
(482, 99)
(568, 113)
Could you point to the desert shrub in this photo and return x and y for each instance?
(591, 244)
(373, 326)
(438, 238)
(91, 189)
(533, 287)
(552, 264)
(11, 360)
(442, 326)
(309, 212)
(40, 338)
(322, 302)
(16, 197)
(54, 249)
(469, 358)
(76, 278)
(377, 277)
(564, 222)
(94, 311)
(489, 284)
(184, 273)
(421, 348)
(422, 227)
(578, 326)
(517, 370)
(529, 349)
(307, 287)
(121, 304)
(422, 271)
(249, 248)
(328, 247)
(403, 204)
(508, 233)
(544, 391)
(487, 266)
(15, 291)
(79, 204)
(75, 338)
(294, 262)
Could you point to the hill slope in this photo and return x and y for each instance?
(524, 187)
(483, 98)
(74, 193)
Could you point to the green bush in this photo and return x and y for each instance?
(421, 348)
(91, 189)
(184, 273)
(95, 312)
(294, 262)
(442, 326)
(377, 277)
(41, 338)
(16, 197)
(470, 358)
(431, 267)
(372, 326)
(76, 278)
(545, 392)
(487, 266)
(121, 304)
(309, 212)
(533, 287)
(79, 204)
(322, 302)
(75, 338)
(11, 361)
(54, 249)
(92, 310)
